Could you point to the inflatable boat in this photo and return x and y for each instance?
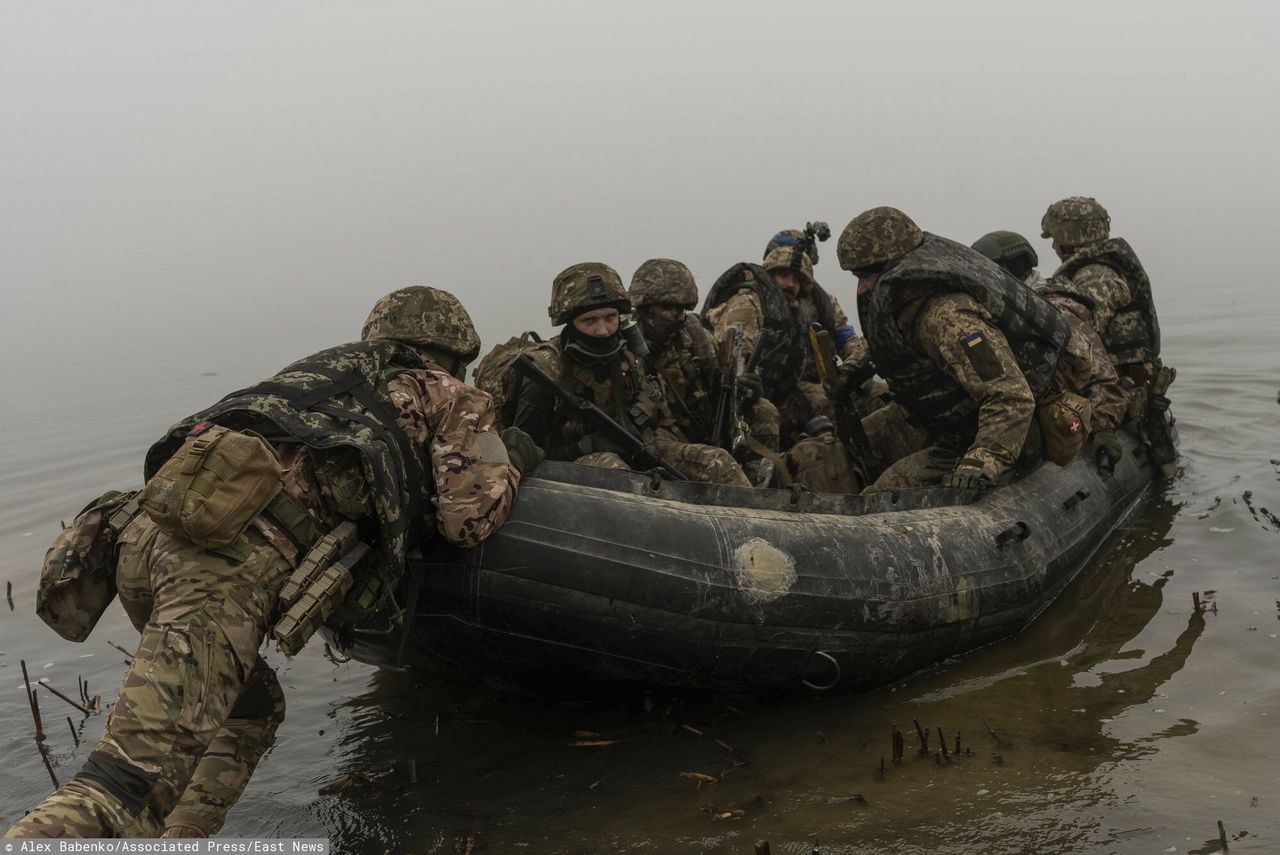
(607, 576)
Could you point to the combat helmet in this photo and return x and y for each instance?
(424, 316)
(877, 236)
(790, 257)
(792, 237)
(1076, 221)
(585, 286)
(663, 281)
(1010, 250)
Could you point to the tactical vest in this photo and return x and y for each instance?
(1035, 330)
(686, 367)
(783, 354)
(336, 399)
(621, 390)
(1134, 332)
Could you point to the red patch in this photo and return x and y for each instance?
(1075, 426)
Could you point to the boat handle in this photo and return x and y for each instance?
(1017, 531)
(1074, 499)
(817, 687)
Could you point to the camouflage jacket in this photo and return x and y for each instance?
(965, 348)
(1087, 370)
(387, 434)
(685, 366)
(617, 386)
(750, 309)
(1109, 279)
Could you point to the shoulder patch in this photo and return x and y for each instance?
(983, 359)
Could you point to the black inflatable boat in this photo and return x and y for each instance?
(601, 575)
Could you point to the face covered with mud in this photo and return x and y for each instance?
(660, 322)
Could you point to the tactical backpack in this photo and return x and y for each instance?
(496, 375)
(78, 579)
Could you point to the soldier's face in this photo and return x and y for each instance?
(598, 323)
(1059, 250)
(787, 281)
(867, 281)
(660, 322)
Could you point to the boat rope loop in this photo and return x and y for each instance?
(835, 666)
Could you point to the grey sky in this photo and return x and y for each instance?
(232, 181)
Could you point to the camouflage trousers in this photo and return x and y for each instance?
(806, 401)
(198, 707)
(909, 459)
(704, 463)
(765, 423)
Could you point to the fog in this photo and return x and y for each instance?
(210, 184)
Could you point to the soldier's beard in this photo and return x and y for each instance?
(589, 349)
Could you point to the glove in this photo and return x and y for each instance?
(967, 475)
(523, 451)
(1105, 442)
(750, 387)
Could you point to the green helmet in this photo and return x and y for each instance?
(589, 285)
(875, 237)
(663, 281)
(1010, 250)
(426, 317)
(789, 257)
(1076, 221)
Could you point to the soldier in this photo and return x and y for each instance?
(1086, 369)
(592, 356)
(1103, 274)
(365, 440)
(966, 351)
(781, 296)
(684, 355)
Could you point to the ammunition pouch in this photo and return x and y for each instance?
(78, 578)
(213, 486)
(822, 464)
(1064, 421)
(318, 586)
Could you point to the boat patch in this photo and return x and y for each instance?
(763, 570)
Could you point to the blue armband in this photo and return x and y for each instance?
(843, 334)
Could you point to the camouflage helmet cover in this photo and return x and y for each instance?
(1076, 221)
(424, 316)
(876, 236)
(663, 281)
(1006, 248)
(589, 285)
(788, 257)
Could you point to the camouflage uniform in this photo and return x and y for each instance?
(965, 348)
(745, 311)
(1104, 275)
(683, 354)
(606, 372)
(1086, 369)
(199, 707)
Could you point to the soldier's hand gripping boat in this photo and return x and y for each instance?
(608, 576)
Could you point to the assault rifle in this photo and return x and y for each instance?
(848, 424)
(632, 445)
(725, 421)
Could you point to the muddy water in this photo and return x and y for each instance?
(1119, 722)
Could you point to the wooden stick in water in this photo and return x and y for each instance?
(82, 709)
(47, 765)
(31, 699)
